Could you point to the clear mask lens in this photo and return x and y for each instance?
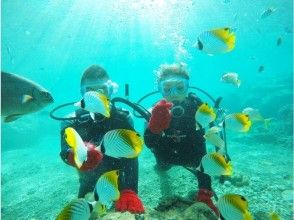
(107, 88)
(173, 87)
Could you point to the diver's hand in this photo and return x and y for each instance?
(94, 157)
(129, 201)
(160, 117)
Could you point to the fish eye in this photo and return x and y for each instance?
(243, 198)
(46, 94)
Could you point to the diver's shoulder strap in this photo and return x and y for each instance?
(194, 99)
(82, 116)
(125, 114)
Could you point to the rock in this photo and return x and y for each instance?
(199, 211)
(170, 209)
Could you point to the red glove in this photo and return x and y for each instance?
(160, 117)
(204, 196)
(129, 201)
(94, 157)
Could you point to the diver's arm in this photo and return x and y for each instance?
(152, 140)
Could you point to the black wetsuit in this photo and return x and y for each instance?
(93, 131)
(181, 144)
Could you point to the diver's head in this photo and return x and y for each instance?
(95, 78)
(173, 82)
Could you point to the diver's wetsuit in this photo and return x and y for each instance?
(181, 144)
(93, 131)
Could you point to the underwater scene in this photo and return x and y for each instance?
(154, 109)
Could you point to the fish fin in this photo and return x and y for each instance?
(197, 126)
(11, 118)
(238, 83)
(26, 99)
(78, 104)
(99, 208)
(92, 115)
(266, 122)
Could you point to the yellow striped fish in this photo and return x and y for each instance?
(205, 115)
(238, 122)
(215, 164)
(81, 209)
(221, 40)
(106, 188)
(77, 145)
(78, 209)
(234, 207)
(95, 102)
(212, 136)
(120, 143)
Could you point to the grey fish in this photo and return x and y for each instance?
(20, 96)
(267, 12)
(260, 68)
(279, 41)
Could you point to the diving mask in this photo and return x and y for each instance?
(106, 87)
(175, 86)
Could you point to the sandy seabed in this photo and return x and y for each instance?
(36, 184)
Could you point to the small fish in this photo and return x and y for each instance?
(205, 115)
(106, 189)
(215, 164)
(221, 40)
(279, 41)
(238, 122)
(255, 116)
(21, 96)
(260, 68)
(234, 207)
(120, 143)
(266, 13)
(95, 102)
(212, 136)
(232, 78)
(79, 149)
(78, 209)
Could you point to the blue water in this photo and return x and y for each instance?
(53, 42)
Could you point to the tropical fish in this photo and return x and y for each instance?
(266, 13)
(106, 189)
(21, 96)
(122, 143)
(232, 78)
(221, 40)
(238, 122)
(79, 149)
(95, 102)
(205, 115)
(234, 207)
(80, 209)
(255, 116)
(215, 164)
(279, 41)
(212, 136)
(260, 68)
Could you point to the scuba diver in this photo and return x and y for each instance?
(171, 133)
(92, 130)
